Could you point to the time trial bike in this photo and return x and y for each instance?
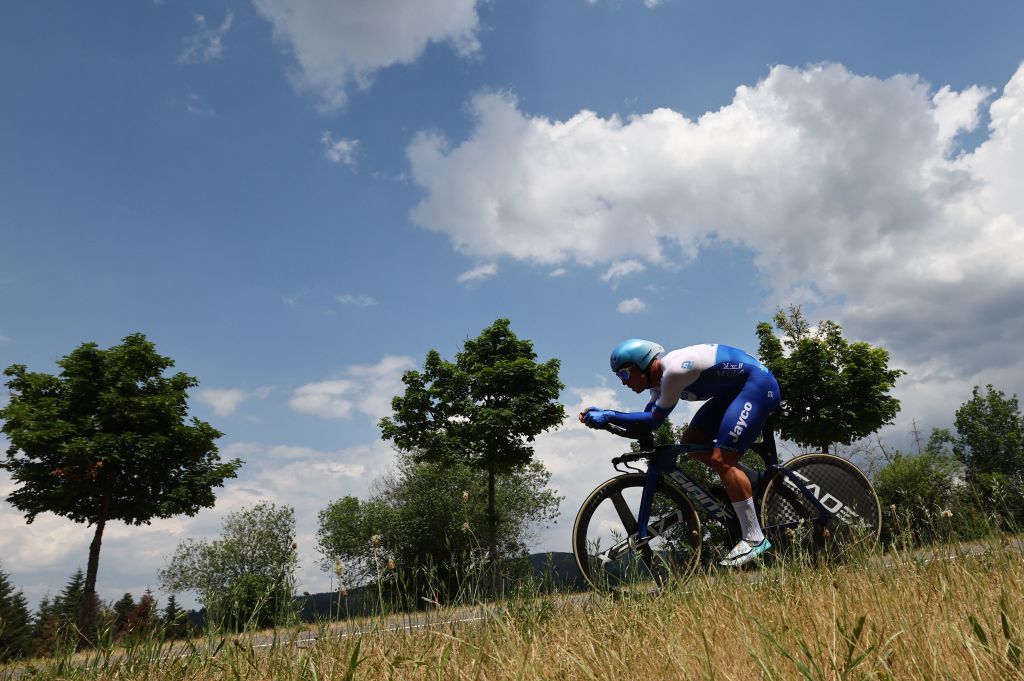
(644, 525)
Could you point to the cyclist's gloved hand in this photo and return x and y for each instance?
(597, 418)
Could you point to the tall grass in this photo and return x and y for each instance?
(956, 616)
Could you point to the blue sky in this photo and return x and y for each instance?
(297, 199)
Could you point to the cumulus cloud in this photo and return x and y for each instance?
(849, 191)
(478, 273)
(339, 150)
(340, 44)
(631, 306)
(225, 401)
(205, 45)
(366, 389)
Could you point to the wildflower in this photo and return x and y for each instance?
(465, 496)
(947, 513)
(391, 563)
(375, 540)
(465, 527)
(339, 568)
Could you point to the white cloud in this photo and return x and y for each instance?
(340, 44)
(339, 150)
(367, 389)
(478, 273)
(631, 306)
(225, 401)
(849, 191)
(558, 272)
(197, 106)
(205, 44)
(357, 300)
(623, 268)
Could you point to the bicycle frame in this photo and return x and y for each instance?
(662, 462)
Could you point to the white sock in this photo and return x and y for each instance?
(748, 521)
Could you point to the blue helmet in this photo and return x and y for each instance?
(635, 351)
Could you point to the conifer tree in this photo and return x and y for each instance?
(15, 622)
(123, 610)
(174, 619)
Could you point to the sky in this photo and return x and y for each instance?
(297, 199)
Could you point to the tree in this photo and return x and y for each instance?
(990, 434)
(920, 488)
(143, 618)
(245, 578)
(484, 410)
(123, 610)
(833, 391)
(106, 439)
(174, 619)
(15, 622)
(425, 519)
(45, 628)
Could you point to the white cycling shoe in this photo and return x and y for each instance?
(744, 552)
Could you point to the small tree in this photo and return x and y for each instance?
(833, 391)
(427, 517)
(990, 434)
(174, 620)
(106, 439)
(15, 622)
(143, 618)
(484, 409)
(245, 578)
(123, 610)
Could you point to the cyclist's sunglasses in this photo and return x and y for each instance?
(623, 373)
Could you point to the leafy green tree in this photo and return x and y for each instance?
(921, 486)
(833, 391)
(247, 577)
(484, 410)
(990, 434)
(106, 439)
(425, 520)
(15, 622)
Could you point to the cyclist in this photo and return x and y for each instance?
(740, 394)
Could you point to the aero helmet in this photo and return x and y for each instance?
(635, 351)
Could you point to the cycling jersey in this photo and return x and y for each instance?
(739, 390)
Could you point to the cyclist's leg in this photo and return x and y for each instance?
(707, 422)
(742, 422)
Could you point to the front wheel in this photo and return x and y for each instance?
(604, 537)
(855, 516)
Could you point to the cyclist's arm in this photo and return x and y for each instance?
(648, 419)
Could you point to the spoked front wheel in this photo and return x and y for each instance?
(605, 544)
(855, 521)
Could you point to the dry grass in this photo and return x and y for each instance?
(956, 618)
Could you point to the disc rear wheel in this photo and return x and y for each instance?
(788, 517)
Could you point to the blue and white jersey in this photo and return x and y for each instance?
(700, 372)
